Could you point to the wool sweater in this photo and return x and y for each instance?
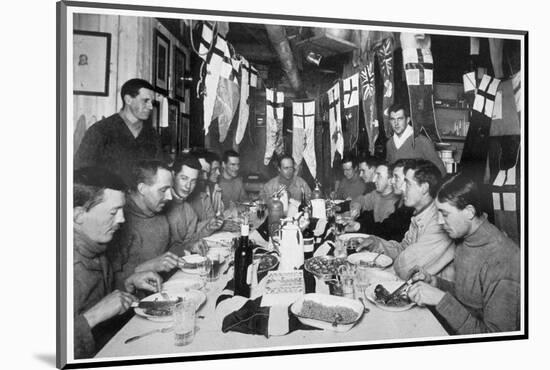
(423, 148)
(232, 191)
(485, 295)
(381, 205)
(185, 228)
(294, 188)
(351, 188)
(141, 238)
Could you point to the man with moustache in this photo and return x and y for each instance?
(485, 296)
(295, 185)
(185, 228)
(117, 141)
(403, 144)
(98, 201)
(352, 185)
(142, 243)
(426, 243)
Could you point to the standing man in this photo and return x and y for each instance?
(230, 182)
(142, 243)
(185, 228)
(294, 183)
(117, 141)
(426, 243)
(401, 145)
(98, 200)
(486, 294)
(381, 201)
(351, 186)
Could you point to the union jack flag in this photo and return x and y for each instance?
(367, 81)
(386, 56)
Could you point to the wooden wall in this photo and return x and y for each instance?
(131, 57)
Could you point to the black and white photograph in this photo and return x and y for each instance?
(268, 187)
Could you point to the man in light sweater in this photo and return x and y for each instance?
(403, 144)
(426, 243)
(486, 294)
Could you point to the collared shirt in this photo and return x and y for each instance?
(351, 188)
(425, 244)
(486, 294)
(109, 143)
(294, 188)
(422, 147)
(399, 140)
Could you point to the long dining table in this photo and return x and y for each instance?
(376, 326)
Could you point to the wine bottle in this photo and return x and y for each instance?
(243, 259)
(303, 204)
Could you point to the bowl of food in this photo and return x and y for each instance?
(324, 267)
(327, 312)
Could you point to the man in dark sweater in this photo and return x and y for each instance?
(117, 141)
(485, 296)
(403, 144)
(98, 200)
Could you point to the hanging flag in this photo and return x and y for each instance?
(274, 123)
(351, 111)
(335, 122)
(418, 65)
(368, 97)
(303, 134)
(384, 54)
(221, 89)
(244, 104)
(485, 95)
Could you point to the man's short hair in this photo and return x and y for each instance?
(403, 162)
(198, 152)
(89, 184)
(396, 107)
(230, 153)
(460, 190)
(370, 161)
(425, 172)
(143, 171)
(189, 160)
(348, 157)
(283, 157)
(212, 157)
(131, 87)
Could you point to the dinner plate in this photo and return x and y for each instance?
(192, 264)
(390, 286)
(196, 296)
(224, 238)
(348, 236)
(382, 261)
(182, 285)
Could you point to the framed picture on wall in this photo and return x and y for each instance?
(161, 62)
(179, 72)
(91, 62)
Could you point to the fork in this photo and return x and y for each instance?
(162, 330)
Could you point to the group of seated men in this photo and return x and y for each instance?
(132, 223)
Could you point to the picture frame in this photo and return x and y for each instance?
(161, 62)
(176, 135)
(179, 73)
(91, 62)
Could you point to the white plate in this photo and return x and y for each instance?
(348, 236)
(197, 296)
(390, 286)
(192, 261)
(224, 238)
(383, 261)
(182, 285)
(327, 300)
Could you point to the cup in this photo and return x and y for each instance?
(184, 322)
(215, 260)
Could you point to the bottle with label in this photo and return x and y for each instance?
(243, 260)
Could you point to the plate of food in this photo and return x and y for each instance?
(267, 261)
(324, 267)
(221, 239)
(327, 312)
(378, 293)
(370, 259)
(157, 308)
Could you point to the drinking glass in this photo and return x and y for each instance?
(215, 260)
(184, 322)
(204, 269)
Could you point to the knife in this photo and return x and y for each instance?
(398, 291)
(155, 304)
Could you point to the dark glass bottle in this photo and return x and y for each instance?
(243, 259)
(309, 241)
(303, 204)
